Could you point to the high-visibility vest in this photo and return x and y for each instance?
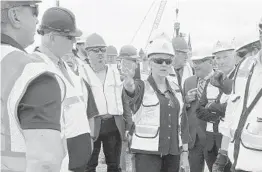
(212, 94)
(74, 106)
(75, 103)
(147, 120)
(108, 96)
(13, 149)
(250, 152)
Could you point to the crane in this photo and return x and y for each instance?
(157, 20)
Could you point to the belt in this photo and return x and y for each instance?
(106, 117)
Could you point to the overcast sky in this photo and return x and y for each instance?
(206, 20)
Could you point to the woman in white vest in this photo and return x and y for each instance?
(160, 132)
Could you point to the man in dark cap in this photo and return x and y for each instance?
(58, 34)
(30, 96)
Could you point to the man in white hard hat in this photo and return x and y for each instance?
(58, 34)
(182, 69)
(114, 118)
(247, 50)
(241, 129)
(194, 88)
(214, 111)
(31, 96)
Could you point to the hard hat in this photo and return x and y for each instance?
(180, 44)
(202, 57)
(255, 43)
(94, 40)
(60, 20)
(7, 4)
(141, 53)
(160, 46)
(128, 52)
(111, 50)
(222, 46)
(80, 40)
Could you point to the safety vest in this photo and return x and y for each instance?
(250, 152)
(212, 94)
(108, 96)
(147, 120)
(75, 103)
(13, 149)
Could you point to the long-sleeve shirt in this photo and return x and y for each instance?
(169, 114)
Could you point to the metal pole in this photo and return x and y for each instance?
(57, 3)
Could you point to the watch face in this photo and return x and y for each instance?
(128, 68)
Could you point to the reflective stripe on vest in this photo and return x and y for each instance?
(74, 106)
(147, 120)
(108, 96)
(14, 85)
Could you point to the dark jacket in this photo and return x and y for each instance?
(196, 126)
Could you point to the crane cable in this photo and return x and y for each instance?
(142, 22)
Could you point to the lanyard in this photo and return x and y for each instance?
(244, 115)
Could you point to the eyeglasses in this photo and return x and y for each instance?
(69, 37)
(161, 61)
(97, 50)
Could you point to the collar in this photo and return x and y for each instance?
(152, 82)
(258, 58)
(5, 39)
(48, 53)
(209, 75)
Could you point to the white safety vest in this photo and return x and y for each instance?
(212, 94)
(108, 96)
(250, 153)
(13, 156)
(74, 105)
(147, 120)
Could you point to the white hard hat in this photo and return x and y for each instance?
(202, 57)
(80, 40)
(249, 44)
(161, 45)
(222, 46)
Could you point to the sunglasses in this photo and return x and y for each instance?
(161, 61)
(97, 50)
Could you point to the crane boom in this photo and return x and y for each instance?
(157, 19)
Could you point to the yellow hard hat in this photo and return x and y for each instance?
(94, 40)
(180, 44)
(128, 52)
(111, 50)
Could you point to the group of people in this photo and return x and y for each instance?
(172, 112)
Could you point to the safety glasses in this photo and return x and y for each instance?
(161, 61)
(97, 50)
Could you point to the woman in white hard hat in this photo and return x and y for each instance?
(160, 133)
